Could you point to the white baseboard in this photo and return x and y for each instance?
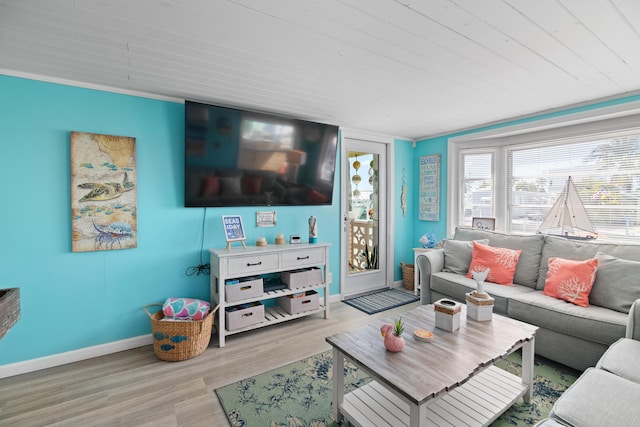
(33, 365)
(73, 356)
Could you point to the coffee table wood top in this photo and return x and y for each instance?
(422, 371)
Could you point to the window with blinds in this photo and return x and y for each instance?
(604, 169)
(478, 185)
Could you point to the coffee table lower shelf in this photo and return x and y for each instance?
(478, 402)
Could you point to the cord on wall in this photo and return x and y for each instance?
(201, 268)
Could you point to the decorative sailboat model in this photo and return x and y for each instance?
(568, 217)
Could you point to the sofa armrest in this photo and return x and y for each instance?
(429, 263)
(633, 321)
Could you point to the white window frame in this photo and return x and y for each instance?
(619, 117)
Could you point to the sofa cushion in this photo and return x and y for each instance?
(456, 286)
(501, 262)
(591, 323)
(457, 255)
(599, 398)
(621, 358)
(531, 246)
(571, 280)
(616, 286)
(580, 250)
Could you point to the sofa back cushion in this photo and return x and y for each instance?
(529, 263)
(617, 285)
(581, 250)
(457, 255)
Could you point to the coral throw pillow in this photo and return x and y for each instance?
(571, 280)
(501, 262)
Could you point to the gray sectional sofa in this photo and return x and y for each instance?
(569, 334)
(608, 394)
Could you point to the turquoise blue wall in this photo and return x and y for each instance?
(439, 146)
(404, 239)
(75, 300)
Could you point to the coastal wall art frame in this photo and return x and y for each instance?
(104, 209)
(266, 219)
(429, 190)
(483, 223)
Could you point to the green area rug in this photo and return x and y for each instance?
(299, 394)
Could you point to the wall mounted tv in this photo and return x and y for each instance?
(244, 158)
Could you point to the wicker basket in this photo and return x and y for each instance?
(407, 275)
(180, 340)
(9, 309)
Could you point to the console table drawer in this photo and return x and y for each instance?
(303, 257)
(242, 266)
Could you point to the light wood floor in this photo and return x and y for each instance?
(134, 388)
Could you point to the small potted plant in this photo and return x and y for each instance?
(393, 340)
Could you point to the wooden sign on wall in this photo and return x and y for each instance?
(429, 191)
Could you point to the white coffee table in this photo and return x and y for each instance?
(452, 381)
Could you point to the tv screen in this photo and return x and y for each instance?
(243, 158)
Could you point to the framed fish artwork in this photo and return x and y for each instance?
(103, 192)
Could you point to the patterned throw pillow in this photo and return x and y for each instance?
(501, 262)
(571, 280)
(186, 308)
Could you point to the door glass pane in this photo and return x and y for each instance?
(363, 211)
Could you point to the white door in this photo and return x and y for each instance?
(364, 266)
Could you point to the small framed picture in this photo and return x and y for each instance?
(484, 224)
(233, 229)
(266, 219)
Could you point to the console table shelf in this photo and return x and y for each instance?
(251, 261)
(275, 315)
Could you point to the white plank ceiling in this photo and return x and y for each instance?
(403, 68)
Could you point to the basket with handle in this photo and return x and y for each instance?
(407, 275)
(174, 341)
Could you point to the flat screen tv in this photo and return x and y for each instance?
(243, 158)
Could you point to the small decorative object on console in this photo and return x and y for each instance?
(447, 314)
(294, 238)
(428, 240)
(313, 229)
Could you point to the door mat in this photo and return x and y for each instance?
(381, 300)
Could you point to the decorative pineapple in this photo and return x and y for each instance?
(393, 340)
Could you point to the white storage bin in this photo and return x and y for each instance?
(314, 276)
(295, 278)
(311, 301)
(248, 287)
(243, 315)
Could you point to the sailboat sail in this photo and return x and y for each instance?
(568, 216)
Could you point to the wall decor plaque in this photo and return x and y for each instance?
(429, 190)
(103, 192)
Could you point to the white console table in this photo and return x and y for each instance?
(258, 260)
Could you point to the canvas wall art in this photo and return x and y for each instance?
(429, 190)
(103, 192)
